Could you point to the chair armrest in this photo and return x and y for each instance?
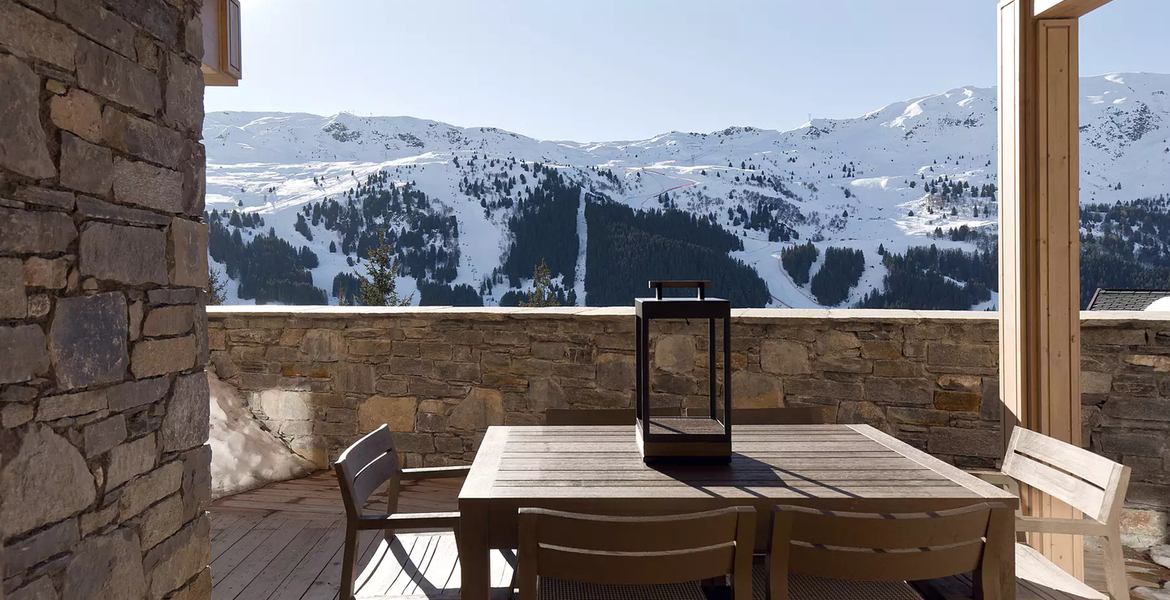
(410, 521)
(1054, 525)
(998, 479)
(435, 473)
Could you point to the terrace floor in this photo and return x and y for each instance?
(284, 541)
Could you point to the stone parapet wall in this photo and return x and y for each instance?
(104, 467)
(321, 376)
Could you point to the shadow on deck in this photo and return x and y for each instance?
(283, 541)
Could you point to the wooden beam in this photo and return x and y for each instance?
(1039, 243)
(1066, 9)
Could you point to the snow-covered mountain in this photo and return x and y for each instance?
(860, 183)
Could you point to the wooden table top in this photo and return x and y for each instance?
(771, 462)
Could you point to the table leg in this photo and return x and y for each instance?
(996, 580)
(474, 554)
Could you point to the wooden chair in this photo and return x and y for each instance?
(1086, 481)
(788, 415)
(569, 555)
(363, 468)
(600, 416)
(820, 554)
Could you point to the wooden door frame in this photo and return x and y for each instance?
(1039, 173)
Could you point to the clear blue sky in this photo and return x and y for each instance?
(591, 70)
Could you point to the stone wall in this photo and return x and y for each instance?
(321, 376)
(103, 400)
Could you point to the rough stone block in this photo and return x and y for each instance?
(160, 297)
(1093, 382)
(47, 273)
(615, 371)
(146, 185)
(159, 357)
(13, 302)
(150, 488)
(956, 401)
(187, 253)
(108, 567)
(23, 354)
(357, 378)
(142, 138)
(27, 32)
(961, 355)
(396, 412)
(39, 547)
(1160, 363)
(674, 353)
(418, 443)
(15, 415)
(85, 167)
(178, 559)
(130, 460)
(79, 113)
(1137, 443)
(133, 394)
(109, 75)
(104, 249)
(481, 408)
(88, 340)
(896, 368)
(784, 357)
(323, 345)
(965, 442)
(99, 24)
(40, 589)
(104, 435)
(282, 405)
(833, 342)
(71, 405)
(881, 349)
(196, 481)
(169, 320)
(185, 93)
(188, 414)
(26, 232)
(756, 390)
(45, 481)
(44, 197)
(23, 147)
(160, 521)
(94, 208)
(1112, 336)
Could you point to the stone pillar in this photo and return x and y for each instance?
(103, 255)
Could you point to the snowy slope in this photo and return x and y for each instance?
(860, 167)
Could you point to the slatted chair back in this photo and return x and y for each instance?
(1086, 481)
(636, 550)
(364, 467)
(600, 416)
(787, 415)
(875, 547)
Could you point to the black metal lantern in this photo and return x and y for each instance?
(689, 439)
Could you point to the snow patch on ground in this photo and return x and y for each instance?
(244, 455)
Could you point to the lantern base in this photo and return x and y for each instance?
(681, 440)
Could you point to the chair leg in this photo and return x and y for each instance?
(1115, 577)
(349, 562)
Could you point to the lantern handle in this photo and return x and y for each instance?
(702, 286)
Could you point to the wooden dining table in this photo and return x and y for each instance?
(598, 469)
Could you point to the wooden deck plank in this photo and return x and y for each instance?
(312, 564)
(233, 584)
(275, 572)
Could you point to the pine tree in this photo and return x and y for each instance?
(541, 294)
(215, 293)
(379, 288)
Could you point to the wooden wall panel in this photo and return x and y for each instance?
(1039, 242)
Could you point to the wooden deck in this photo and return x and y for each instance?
(283, 541)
